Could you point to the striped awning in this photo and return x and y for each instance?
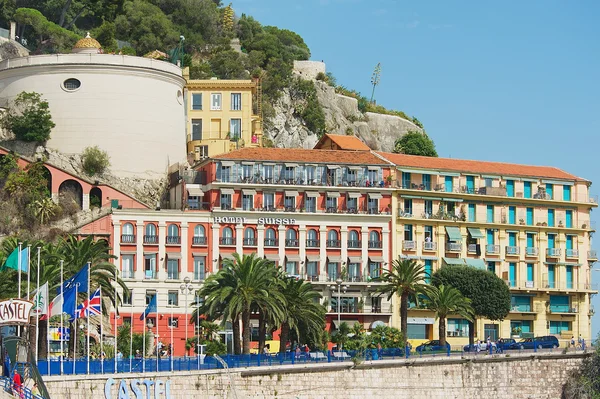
(476, 263)
(475, 232)
(453, 233)
(454, 261)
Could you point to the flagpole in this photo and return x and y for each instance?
(197, 332)
(37, 315)
(101, 334)
(61, 331)
(144, 344)
(157, 336)
(28, 269)
(116, 306)
(74, 328)
(131, 332)
(171, 346)
(19, 272)
(88, 318)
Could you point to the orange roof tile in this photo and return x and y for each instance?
(463, 165)
(304, 155)
(347, 143)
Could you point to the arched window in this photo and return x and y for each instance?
(312, 238)
(332, 235)
(374, 239)
(332, 239)
(150, 229)
(270, 238)
(291, 238)
(249, 238)
(150, 236)
(173, 234)
(353, 240)
(127, 234)
(199, 235)
(227, 237)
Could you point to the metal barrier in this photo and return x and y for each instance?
(21, 392)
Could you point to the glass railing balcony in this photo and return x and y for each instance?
(492, 249)
(572, 253)
(199, 241)
(127, 273)
(173, 275)
(127, 238)
(562, 309)
(429, 246)
(311, 277)
(592, 254)
(409, 245)
(521, 308)
(150, 274)
(291, 242)
(512, 250)
(374, 244)
(312, 243)
(173, 240)
(553, 252)
(354, 243)
(150, 239)
(453, 247)
(531, 251)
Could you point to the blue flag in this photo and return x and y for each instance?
(69, 305)
(151, 308)
(13, 260)
(80, 280)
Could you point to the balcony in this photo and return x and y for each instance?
(492, 249)
(453, 247)
(375, 244)
(531, 251)
(270, 242)
(173, 275)
(291, 242)
(565, 309)
(226, 241)
(311, 243)
(251, 242)
(553, 252)
(572, 253)
(512, 250)
(331, 209)
(198, 240)
(125, 273)
(472, 248)
(127, 238)
(409, 245)
(592, 254)
(311, 277)
(521, 309)
(150, 274)
(333, 243)
(352, 210)
(429, 246)
(521, 284)
(173, 240)
(354, 243)
(150, 239)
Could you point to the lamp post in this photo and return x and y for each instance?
(186, 288)
(339, 283)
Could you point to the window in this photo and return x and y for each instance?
(428, 270)
(150, 266)
(268, 172)
(269, 201)
(291, 268)
(373, 205)
(128, 298)
(173, 269)
(354, 271)
(559, 304)
(311, 174)
(416, 331)
(310, 203)
(225, 174)
(149, 295)
(199, 267)
(458, 328)
(520, 303)
(312, 238)
(529, 216)
(173, 322)
(549, 191)
(408, 232)
(471, 217)
(512, 214)
(72, 84)
(372, 176)
(490, 214)
(491, 266)
(512, 274)
(569, 218)
(291, 238)
(530, 273)
(289, 203)
(448, 184)
(428, 208)
(127, 266)
(215, 102)
(374, 269)
(197, 101)
(428, 233)
(426, 182)
(408, 206)
(352, 204)
(173, 298)
(353, 240)
(510, 188)
(566, 193)
(488, 182)
(518, 327)
(235, 129)
(311, 270)
(332, 270)
(199, 235)
(201, 151)
(227, 237)
(127, 235)
(270, 238)
(550, 217)
(289, 173)
(225, 201)
(332, 239)
(351, 177)
(150, 236)
(249, 237)
(405, 180)
(557, 326)
(196, 129)
(248, 202)
(331, 203)
(374, 239)
(173, 234)
(247, 171)
(236, 101)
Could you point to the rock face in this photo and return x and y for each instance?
(11, 49)
(342, 116)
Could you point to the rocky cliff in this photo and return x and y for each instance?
(342, 116)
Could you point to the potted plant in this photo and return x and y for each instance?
(361, 305)
(388, 180)
(516, 332)
(521, 221)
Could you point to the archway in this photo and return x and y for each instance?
(95, 198)
(70, 194)
(48, 176)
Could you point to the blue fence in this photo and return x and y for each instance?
(19, 392)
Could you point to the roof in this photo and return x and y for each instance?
(304, 155)
(344, 142)
(463, 165)
(87, 42)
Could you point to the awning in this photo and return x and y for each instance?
(333, 194)
(173, 255)
(334, 259)
(355, 167)
(272, 257)
(354, 195)
(452, 174)
(476, 263)
(150, 253)
(376, 259)
(354, 259)
(565, 183)
(227, 163)
(291, 193)
(248, 163)
(228, 191)
(375, 195)
(226, 255)
(312, 194)
(199, 254)
(290, 165)
(128, 253)
(378, 323)
(419, 171)
(452, 199)
(333, 166)
(454, 261)
(247, 191)
(313, 258)
(569, 264)
(531, 232)
(453, 233)
(475, 232)
(350, 323)
(194, 190)
(373, 167)
(420, 320)
(293, 258)
(429, 258)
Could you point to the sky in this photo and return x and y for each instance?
(512, 81)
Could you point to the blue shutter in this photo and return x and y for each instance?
(566, 193)
(529, 216)
(550, 190)
(550, 217)
(448, 184)
(527, 189)
(471, 184)
(490, 213)
(512, 214)
(513, 274)
(530, 272)
(569, 219)
(471, 212)
(510, 188)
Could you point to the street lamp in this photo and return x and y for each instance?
(339, 283)
(186, 288)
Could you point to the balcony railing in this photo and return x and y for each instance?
(150, 239)
(250, 242)
(429, 246)
(226, 241)
(531, 251)
(127, 238)
(409, 245)
(312, 243)
(291, 242)
(592, 254)
(562, 309)
(270, 242)
(125, 273)
(492, 249)
(553, 252)
(521, 308)
(173, 240)
(512, 250)
(198, 240)
(354, 243)
(150, 274)
(173, 275)
(333, 244)
(453, 247)
(374, 244)
(472, 248)
(572, 253)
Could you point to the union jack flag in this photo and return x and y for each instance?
(90, 307)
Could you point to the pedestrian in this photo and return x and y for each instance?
(138, 355)
(35, 390)
(379, 350)
(478, 346)
(579, 340)
(573, 341)
(499, 345)
(583, 344)
(297, 352)
(266, 350)
(307, 351)
(17, 385)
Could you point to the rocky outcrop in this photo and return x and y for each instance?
(342, 116)
(11, 49)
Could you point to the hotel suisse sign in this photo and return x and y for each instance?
(260, 220)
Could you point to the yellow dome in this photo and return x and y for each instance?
(87, 42)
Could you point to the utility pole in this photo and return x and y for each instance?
(375, 79)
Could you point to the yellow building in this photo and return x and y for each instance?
(528, 224)
(221, 116)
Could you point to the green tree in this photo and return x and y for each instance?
(415, 143)
(124, 338)
(29, 118)
(489, 295)
(584, 381)
(228, 65)
(94, 160)
(48, 36)
(44, 209)
(302, 313)
(406, 279)
(446, 300)
(105, 34)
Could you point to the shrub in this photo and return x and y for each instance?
(29, 118)
(94, 161)
(321, 76)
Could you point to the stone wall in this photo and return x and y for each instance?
(309, 69)
(515, 376)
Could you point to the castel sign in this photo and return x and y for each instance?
(15, 311)
(138, 389)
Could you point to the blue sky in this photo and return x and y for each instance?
(513, 81)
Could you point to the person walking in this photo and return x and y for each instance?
(573, 341)
(17, 385)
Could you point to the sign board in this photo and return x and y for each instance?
(15, 311)
(259, 221)
(138, 389)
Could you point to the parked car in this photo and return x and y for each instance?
(473, 348)
(546, 341)
(506, 343)
(432, 346)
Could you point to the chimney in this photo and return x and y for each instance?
(13, 30)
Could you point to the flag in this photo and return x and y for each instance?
(69, 302)
(80, 280)
(151, 308)
(40, 301)
(56, 306)
(91, 307)
(13, 260)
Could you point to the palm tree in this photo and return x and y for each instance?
(405, 280)
(340, 337)
(445, 300)
(303, 312)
